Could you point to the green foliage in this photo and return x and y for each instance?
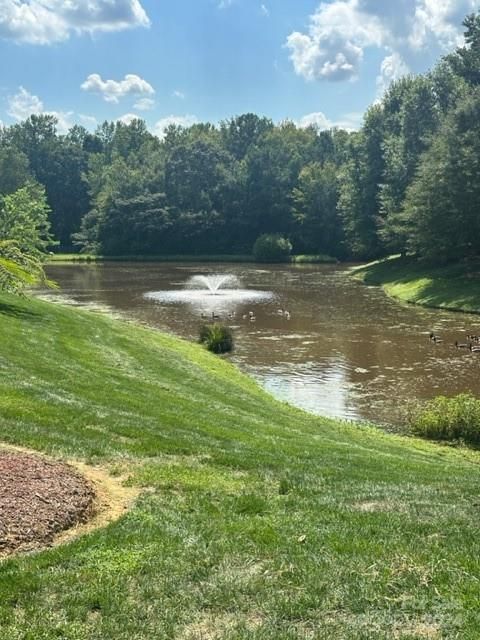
(358, 195)
(315, 208)
(466, 60)
(24, 218)
(24, 238)
(18, 269)
(443, 201)
(442, 418)
(217, 338)
(272, 247)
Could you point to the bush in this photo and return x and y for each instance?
(444, 418)
(216, 337)
(272, 247)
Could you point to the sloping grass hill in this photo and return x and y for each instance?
(453, 286)
(256, 521)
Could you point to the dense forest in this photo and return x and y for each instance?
(407, 182)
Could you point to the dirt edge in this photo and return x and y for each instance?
(112, 499)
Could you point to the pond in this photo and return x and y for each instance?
(342, 350)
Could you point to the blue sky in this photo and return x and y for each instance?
(197, 60)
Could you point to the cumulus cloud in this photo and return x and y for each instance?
(144, 104)
(128, 118)
(339, 32)
(180, 121)
(264, 10)
(88, 121)
(178, 94)
(333, 47)
(393, 68)
(113, 90)
(47, 21)
(349, 122)
(440, 21)
(24, 104)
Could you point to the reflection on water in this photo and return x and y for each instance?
(343, 350)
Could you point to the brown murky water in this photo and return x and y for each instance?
(346, 351)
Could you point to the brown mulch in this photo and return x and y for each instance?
(38, 499)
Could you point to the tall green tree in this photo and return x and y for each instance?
(443, 202)
(315, 208)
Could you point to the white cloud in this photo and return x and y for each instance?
(64, 120)
(317, 119)
(393, 68)
(88, 121)
(180, 121)
(339, 32)
(224, 4)
(440, 21)
(128, 118)
(24, 104)
(113, 90)
(48, 21)
(349, 122)
(144, 104)
(178, 94)
(264, 10)
(333, 48)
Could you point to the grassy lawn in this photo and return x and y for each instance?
(256, 520)
(88, 257)
(455, 287)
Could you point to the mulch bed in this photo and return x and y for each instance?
(39, 499)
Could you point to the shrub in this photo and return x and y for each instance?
(272, 247)
(216, 337)
(442, 418)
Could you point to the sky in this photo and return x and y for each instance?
(186, 61)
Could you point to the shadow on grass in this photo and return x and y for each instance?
(18, 310)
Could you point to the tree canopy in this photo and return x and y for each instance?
(406, 182)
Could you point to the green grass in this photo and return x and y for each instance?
(455, 287)
(313, 259)
(90, 257)
(260, 521)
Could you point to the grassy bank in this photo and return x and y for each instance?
(90, 257)
(256, 521)
(455, 287)
(85, 257)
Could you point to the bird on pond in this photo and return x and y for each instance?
(435, 339)
(463, 345)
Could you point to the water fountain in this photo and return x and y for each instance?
(211, 293)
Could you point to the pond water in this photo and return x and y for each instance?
(343, 350)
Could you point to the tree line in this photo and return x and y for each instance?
(407, 182)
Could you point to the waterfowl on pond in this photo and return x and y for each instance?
(475, 348)
(435, 339)
(463, 345)
(215, 316)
